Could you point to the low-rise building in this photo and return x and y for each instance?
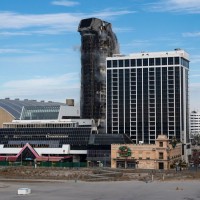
(36, 110)
(161, 155)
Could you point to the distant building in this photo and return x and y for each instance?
(55, 133)
(66, 140)
(48, 139)
(195, 122)
(97, 42)
(35, 110)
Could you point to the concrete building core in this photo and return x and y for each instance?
(97, 42)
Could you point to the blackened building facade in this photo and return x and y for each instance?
(147, 95)
(97, 42)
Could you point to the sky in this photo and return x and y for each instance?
(40, 45)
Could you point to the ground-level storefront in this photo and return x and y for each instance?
(127, 164)
(49, 157)
(160, 155)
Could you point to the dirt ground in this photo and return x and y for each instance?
(114, 190)
(95, 174)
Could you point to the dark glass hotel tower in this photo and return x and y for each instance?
(97, 42)
(147, 95)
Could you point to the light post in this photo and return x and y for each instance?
(104, 164)
(48, 161)
(88, 163)
(155, 164)
(21, 159)
(99, 163)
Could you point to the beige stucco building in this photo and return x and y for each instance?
(160, 155)
(5, 116)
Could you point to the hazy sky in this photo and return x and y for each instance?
(39, 42)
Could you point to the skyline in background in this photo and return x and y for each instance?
(40, 45)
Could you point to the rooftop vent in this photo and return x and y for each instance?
(118, 55)
(70, 102)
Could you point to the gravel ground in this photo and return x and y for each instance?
(66, 184)
(119, 190)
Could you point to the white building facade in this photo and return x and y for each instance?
(195, 122)
(147, 95)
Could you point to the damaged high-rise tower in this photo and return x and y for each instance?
(97, 42)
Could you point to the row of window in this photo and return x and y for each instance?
(41, 125)
(147, 62)
(151, 75)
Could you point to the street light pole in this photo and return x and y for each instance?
(104, 160)
(21, 159)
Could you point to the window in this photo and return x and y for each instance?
(177, 60)
(148, 157)
(164, 61)
(120, 63)
(114, 63)
(126, 63)
(133, 62)
(140, 155)
(151, 61)
(139, 62)
(160, 144)
(170, 61)
(108, 64)
(145, 62)
(160, 155)
(157, 61)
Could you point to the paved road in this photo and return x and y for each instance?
(124, 190)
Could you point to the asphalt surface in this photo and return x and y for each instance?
(122, 190)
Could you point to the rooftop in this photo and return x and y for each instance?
(14, 107)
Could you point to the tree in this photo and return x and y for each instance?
(195, 139)
(173, 142)
(196, 158)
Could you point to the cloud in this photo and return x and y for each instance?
(45, 31)
(10, 20)
(124, 30)
(110, 13)
(194, 95)
(48, 24)
(65, 3)
(64, 86)
(195, 59)
(191, 34)
(138, 43)
(194, 75)
(186, 6)
(7, 51)
(44, 81)
(8, 33)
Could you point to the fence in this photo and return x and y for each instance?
(44, 164)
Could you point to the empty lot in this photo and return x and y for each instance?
(122, 190)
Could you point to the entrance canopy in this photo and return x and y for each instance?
(28, 153)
